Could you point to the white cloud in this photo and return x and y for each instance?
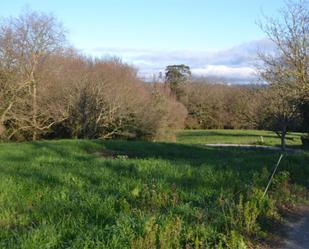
(225, 72)
(235, 64)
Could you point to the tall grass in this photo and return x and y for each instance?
(119, 194)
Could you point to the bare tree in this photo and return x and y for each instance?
(290, 35)
(282, 111)
(25, 44)
(287, 70)
(104, 97)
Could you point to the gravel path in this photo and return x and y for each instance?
(298, 233)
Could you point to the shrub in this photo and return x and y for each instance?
(107, 100)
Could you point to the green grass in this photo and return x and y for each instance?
(236, 137)
(121, 194)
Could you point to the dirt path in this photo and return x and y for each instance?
(298, 232)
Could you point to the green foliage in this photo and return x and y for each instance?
(121, 194)
(236, 240)
(175, 77)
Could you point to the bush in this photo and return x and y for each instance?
(97, 98)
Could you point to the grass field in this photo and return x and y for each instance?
(252, 137)
(127, 194)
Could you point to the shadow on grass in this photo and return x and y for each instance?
(175, 152)
(84, 153)
(32, 176)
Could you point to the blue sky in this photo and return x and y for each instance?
(153, 33)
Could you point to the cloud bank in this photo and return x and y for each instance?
(235, 65)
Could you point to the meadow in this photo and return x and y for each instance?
(251, 137)
(138, 194)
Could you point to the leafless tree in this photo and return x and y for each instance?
(287, 70)
(25, 44)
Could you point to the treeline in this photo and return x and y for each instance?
(220, 106)
(48, 90)
(78, 97)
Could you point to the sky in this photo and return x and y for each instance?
(216, 38)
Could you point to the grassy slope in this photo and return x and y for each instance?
(236, 137)
(118, 194)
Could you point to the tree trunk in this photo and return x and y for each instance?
(34, 107)
(283, 134)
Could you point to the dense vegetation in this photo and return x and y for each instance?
(49, 90)
(122, 194)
